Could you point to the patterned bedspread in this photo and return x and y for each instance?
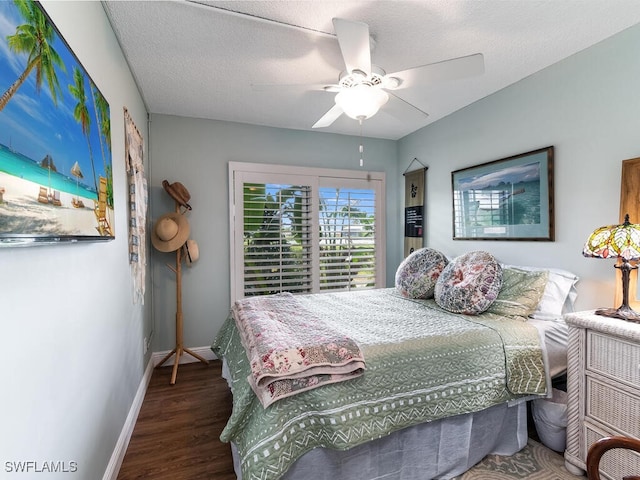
(423, 364)
(290, 349)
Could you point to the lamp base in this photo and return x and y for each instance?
(624, 313)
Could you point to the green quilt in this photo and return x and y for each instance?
(423, 364)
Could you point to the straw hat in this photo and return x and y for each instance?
(190, 252)
(178, 192)
(170, 232)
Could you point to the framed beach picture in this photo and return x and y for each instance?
(56, 181)
(506, 199)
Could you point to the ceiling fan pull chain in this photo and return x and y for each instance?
(361, 144)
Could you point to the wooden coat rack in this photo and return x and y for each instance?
(179, 348)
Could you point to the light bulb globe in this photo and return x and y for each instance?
(361, 101)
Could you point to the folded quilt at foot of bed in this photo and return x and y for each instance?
(291, 350)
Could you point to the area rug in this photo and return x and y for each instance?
(534, 462)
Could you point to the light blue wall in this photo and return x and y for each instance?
(588, 108)
(71, 335)
(196, 153)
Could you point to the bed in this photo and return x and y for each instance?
(440, 389)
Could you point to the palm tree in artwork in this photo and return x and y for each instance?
(35, 38)
(105, 121)
(101, 109)
(81, 113)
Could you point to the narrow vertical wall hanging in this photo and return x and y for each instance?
(137, 185)
(414, 207)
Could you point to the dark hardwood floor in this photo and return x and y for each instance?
(177, 434)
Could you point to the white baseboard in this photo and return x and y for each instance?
(204, 352)
(113, 468)
(111, 473)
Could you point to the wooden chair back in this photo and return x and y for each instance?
(598, 449)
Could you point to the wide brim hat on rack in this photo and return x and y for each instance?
(170, 232)
(191, 252)
(178, 192)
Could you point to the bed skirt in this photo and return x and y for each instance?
(441, 449)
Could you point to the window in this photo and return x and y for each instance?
(347, 225)
(276, 238)
(304, 230)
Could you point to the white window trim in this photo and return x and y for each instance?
(236, 290)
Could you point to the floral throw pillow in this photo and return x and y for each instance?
(469, 284)
(417, 274)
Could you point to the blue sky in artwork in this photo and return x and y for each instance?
(32, 124)
(529, 172)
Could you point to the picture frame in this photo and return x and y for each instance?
(629, 194)
(506, 199)
(56, 178)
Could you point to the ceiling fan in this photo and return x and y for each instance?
(364, 87)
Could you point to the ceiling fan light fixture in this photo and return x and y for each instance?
(362, 101)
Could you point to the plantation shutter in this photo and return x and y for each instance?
(304, 230)
(277, 238)
(347, 238)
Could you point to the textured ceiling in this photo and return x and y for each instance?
(191, 59)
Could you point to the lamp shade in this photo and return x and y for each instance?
(361, 101)
(616, 241)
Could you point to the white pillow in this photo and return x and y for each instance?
(559, 294)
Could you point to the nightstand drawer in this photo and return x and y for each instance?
(616, 463)
(613, 357)
(612, 406)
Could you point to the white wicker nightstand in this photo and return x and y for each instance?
(603, 383)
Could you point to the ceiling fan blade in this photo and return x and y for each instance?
(329, 117)
(326, 87)
(452, 69)
(422, 112)
(353, 38)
